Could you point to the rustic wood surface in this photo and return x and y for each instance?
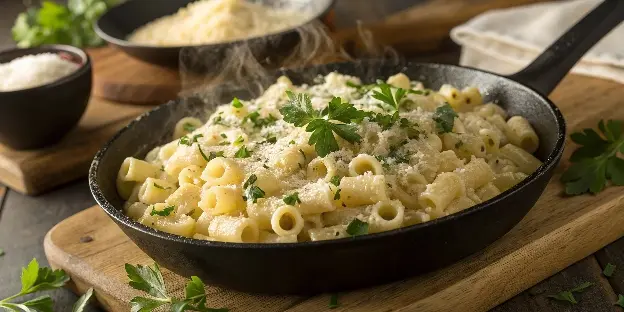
(557, 232)
(36, 171)
(121, 78)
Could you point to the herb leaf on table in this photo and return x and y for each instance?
(150, 280)
(34, 279)
(83, 301)
(609, 270)
(596, 161)
(568, 295)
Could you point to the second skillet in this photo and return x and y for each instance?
(336, 265)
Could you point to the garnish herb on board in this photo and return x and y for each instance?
(620, 301)
(568, 295)
(54, 23)
(292, 199)
(252, 192)
(444, 117)
(357, 227)
(596, 161)
(323, 124)
(163, 213)
(333, 301)
(609, 270)
(150, 280)
(35, 279)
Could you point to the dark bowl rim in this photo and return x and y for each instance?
(119, 217)
(84, 68)
(127, 44)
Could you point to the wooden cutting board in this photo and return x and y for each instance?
(36, 171)
(557, 232)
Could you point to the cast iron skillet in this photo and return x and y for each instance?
(119, 22)
(335, 265)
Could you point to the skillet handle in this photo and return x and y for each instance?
(549, 68)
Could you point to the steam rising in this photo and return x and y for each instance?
(217, 73)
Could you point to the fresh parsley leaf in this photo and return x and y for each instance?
(271, 140)
(185, 141)
(444, 117)
(333, 301)
(609, 269)
(188, 127)
(387, 97)
(357, 227)
(291, 142)
(42, 303)
(335, 180)
(299, 112)
(242, 153)
(419, 92)
(620, 301)
(223, 135)
(197, 136)
(250, 181)
(292, 199)
(568, 295)
(147, 279)
(337, 195)
(237, 103)
(83, 301)
(141, 304)
(385, 121)
(214, 155)
(239, 140)
(163, 213)
(253, 193)
(259, 122)
(1, 252)
(596, 161)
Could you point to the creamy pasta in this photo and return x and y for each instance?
(327, 161)
(214, 21)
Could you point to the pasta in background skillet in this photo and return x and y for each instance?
(250, 174)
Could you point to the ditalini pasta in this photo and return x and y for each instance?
(328, 161)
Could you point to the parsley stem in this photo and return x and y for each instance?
(6, 300)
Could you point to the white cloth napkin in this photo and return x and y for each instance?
(505, 41)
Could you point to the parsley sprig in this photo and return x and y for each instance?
(596, 160)
(386, 96)
(444, 117)
(150, 280)
(568, 295)
(334, 119)
(252, 191)
(34, 279)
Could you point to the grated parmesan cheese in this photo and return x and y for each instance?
(33, 71)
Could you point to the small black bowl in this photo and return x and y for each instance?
(40, 116)
(119, 22)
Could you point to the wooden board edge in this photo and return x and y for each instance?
(607, 218)
(58, 259)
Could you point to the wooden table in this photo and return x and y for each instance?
(25, 220)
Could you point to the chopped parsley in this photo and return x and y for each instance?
(596, 160)
(224, 143)
(291, 142)
(252, 192)
(335, 180)
(239, 140)
(568, 295)
(609, 269)
(259, 122)
(271, 140)
(214, 155)
(188, 127)
(202, 153)
(160, 186)
(223, 135)
(292, 199)
(385, 121)
(189, 141)
(242, 153)
(337, 195)
(237, 103)
(162, 168)
(444, 118)
(357, 227)
(302, 153)
(299, 112)
(163, 213)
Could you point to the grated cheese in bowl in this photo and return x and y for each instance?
(33, 71)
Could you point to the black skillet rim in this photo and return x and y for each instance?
(84, 66)
(118, 216)
(128, 44)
